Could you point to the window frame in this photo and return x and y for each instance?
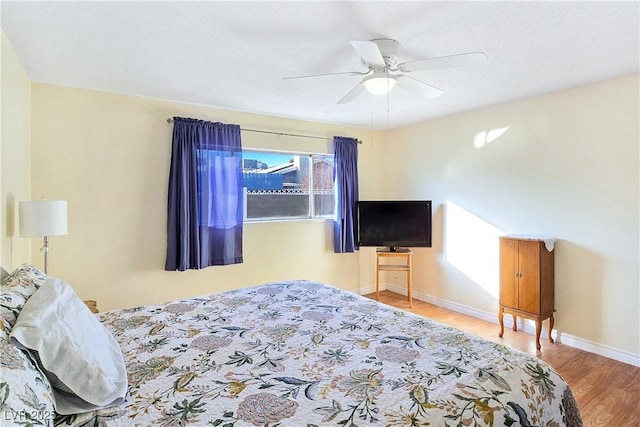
(311, 216)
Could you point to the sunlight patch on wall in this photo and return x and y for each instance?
(485, 137)
(472, 247)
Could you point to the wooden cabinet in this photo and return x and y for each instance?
(526, 282)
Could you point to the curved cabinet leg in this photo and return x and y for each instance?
(501, 321)
(538, 329)
(551, 322)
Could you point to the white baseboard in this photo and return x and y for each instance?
(372, 289)
(523, 325)
(600, 349)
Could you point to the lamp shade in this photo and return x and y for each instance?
(43, 218)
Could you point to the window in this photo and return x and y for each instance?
(280, 185)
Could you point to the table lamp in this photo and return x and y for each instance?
(43, 218)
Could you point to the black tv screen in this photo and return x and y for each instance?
(395, 224)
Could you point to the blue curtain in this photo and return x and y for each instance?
(205, 209)
(345, 175)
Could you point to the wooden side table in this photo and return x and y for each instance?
(93, 305)
(400, 261)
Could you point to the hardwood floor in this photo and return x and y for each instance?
(607, 391)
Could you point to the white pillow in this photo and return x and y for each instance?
(75, 351)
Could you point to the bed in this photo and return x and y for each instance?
(301, 353)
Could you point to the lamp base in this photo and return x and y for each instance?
(45, 249)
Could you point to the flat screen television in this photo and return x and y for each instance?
(394, 224)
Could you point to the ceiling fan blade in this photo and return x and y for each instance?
(369, 52)
(461, 60)
(352, 73)
(419, 87)
(352, 94)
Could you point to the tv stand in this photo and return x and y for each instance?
(400, 254)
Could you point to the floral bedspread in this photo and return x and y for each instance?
(305, 354)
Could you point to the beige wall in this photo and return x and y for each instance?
(108, 156)
(567, 167)
(15, 149)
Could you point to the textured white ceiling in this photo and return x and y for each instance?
(234, 55)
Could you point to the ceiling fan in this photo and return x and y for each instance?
(382, 57)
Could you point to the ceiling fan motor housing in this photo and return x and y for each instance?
(390, 50)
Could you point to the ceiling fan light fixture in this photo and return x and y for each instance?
(379, 83)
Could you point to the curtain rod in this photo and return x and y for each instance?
(170, 120)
